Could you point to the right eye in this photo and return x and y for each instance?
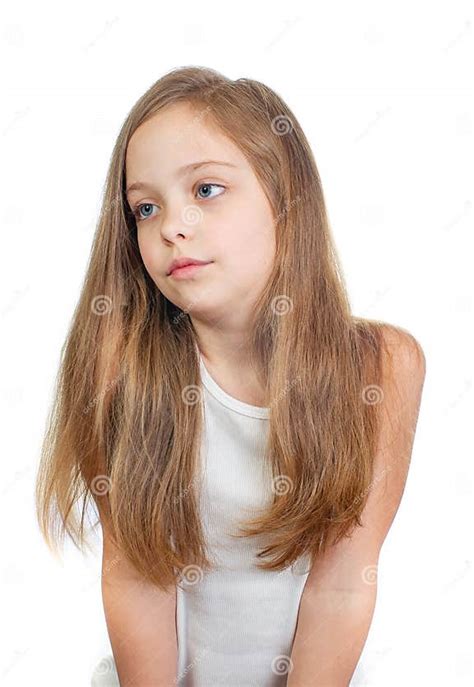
(136, 211)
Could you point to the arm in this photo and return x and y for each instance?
(339, 597)
(140, 621)
(331, 633)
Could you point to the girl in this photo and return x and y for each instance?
(244, 437)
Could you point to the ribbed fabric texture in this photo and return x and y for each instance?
(236, 624)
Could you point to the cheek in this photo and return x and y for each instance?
(148, 253)
(247, 231)
(142, 245)
(258, 238)
(248, 249)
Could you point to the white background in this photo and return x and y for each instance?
(384, 92)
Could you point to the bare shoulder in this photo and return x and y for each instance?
(403, 376)
(343, 566)
(404, 354)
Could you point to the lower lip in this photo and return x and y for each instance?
(187, 271)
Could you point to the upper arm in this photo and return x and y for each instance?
(140, 618)
(115, 566)
(113, 561)
(351, 563)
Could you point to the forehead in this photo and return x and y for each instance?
(177, 136)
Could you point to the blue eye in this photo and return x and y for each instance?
(136, 210)
(209, 185)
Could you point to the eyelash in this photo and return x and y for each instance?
(136, 209)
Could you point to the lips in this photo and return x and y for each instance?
(183, 262)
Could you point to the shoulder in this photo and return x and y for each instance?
(403, 365)
(403, 355)
(402, 381)
(403, 371)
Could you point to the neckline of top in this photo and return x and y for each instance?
(229, 401)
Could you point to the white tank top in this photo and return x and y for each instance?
(236, 624)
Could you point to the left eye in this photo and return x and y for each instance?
(136, 210)
(209, 186)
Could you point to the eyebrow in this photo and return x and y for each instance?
(140, 185)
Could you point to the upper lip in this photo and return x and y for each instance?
(181, 262)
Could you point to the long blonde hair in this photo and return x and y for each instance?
(125, 426)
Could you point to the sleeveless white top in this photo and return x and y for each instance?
(236, 624)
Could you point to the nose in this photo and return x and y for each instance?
(183, 221)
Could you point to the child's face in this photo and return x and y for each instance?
(187, 216)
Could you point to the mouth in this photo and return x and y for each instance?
(188, 270)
